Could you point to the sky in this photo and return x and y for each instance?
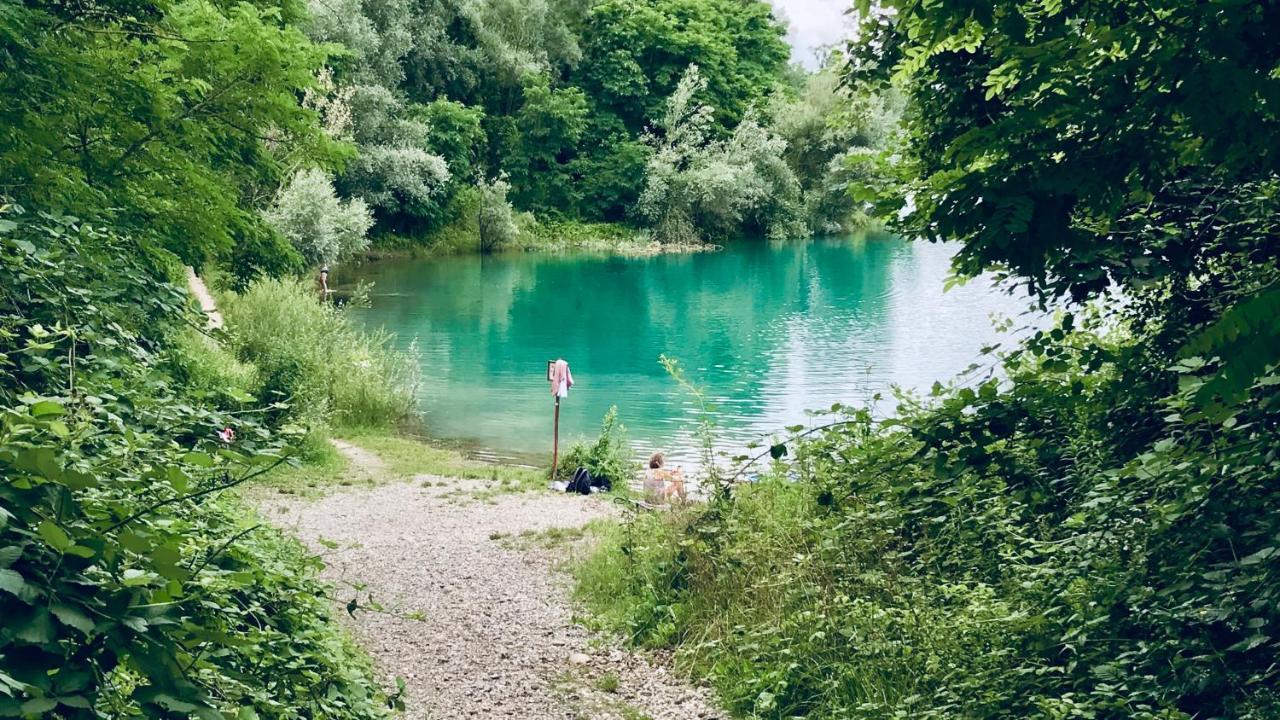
(812, 24)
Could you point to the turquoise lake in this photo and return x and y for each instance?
(768, 330)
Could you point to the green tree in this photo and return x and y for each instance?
(634, 54)
(171, 118)
(699, 187)
(548, 126)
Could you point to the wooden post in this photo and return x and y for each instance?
(555, 443)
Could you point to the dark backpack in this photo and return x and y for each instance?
(583, 482)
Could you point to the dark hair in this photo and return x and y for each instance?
(656, 460)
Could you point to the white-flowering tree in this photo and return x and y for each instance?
(697, 187)
(496, 221)
(394, 169)
(324, 228)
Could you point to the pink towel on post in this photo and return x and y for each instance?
(561, 379)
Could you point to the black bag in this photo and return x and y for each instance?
(581, 482)
(584, 483)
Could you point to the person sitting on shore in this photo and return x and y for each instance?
(660, 485)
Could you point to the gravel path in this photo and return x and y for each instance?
(476, 621)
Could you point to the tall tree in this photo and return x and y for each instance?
(174, 119)
(634, 54)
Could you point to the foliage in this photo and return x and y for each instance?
(695, 185)
(496, 218)
(395, 170)
(128, 586)
(635, 54)
(321, 227)
(609, 456)
(161, 118)
(309, 356)
(1088, 531)
(833, 136)
(558, 96)
(1002, 551)
(548, 125)
(1159, 182)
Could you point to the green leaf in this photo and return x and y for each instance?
(38, 630)
(198, 458)
(13, 583)
(75, 701)
(53, 535)
(9, 555)
(39, 706)
(72, 617)
(134, 577)
(778, 451)
(45, 408)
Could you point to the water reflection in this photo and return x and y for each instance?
(769, 330)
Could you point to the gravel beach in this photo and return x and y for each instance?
(478, 624)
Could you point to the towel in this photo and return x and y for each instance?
(561, 379)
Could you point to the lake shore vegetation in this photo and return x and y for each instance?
(1086, 527)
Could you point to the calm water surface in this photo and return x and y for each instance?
(768, 330)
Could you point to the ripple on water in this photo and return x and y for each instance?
(767, 330)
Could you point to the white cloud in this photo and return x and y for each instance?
(813, 24)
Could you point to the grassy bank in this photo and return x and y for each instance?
(402, 457)
(532, 235)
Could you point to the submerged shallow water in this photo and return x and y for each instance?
(768, 330)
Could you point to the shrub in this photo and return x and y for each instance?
(610, 456)
(129, 585)
(310, 356)
(496, 219)
(1059, 543)
(206, 367)
(323, 228)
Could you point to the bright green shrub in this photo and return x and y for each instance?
(128, 586)
(203, 365)
(311, 358)
(609, 456)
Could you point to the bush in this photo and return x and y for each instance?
(207, 368)
(496, 219)
(698, 187)
(610, 456)
(323, 228)
(1063, 543)
(129, 585)
(310, 357)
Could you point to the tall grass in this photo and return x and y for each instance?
(310, 357)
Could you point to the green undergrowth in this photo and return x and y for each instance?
(326, 469)
(1082, 539)
(314, 362)
(131, 583)
(319, 472)
(532, 235)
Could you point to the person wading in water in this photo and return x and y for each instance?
(322, 284)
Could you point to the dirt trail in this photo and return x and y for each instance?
(197, 288)
(476, 619)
